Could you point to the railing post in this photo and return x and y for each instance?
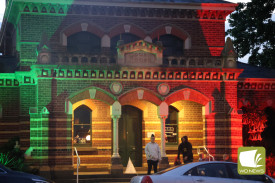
(78, 164)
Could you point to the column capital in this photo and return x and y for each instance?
(163, 109)
(115, 116)
(163, 116)
(115, 109)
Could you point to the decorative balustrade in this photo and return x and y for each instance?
(105, 59)
(76, 59)
(84, 59)
(193, 62)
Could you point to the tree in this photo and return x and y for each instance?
(253, 32)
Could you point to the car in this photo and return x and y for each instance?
(202, 172)
(9, 176)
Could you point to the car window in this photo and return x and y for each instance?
(192, 172)
(168, 169)
(255, 177)
(234, 171)
(212, 170)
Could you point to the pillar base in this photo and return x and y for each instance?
(164, 163)
(116, 167)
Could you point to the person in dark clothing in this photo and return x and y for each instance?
(185, 148)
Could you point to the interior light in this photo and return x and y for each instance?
(88, 137)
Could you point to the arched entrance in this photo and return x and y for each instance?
(130, 135)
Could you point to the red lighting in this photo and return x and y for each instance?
(270, 165)
(146, 179)
(140, 75)
(155, 76)
(148, 75)
(185, 76)
(256, 122)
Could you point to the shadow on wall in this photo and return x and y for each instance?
(222, 121)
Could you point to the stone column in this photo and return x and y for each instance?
(162, 121)
(115, 136)
(163, 114)
(116, 165)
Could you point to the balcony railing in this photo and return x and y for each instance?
(193, 62)
(111, 59)
(76, 59)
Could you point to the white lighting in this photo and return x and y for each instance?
(88, 137)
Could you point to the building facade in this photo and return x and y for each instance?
(102, 76)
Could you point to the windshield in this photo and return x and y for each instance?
(167, 170)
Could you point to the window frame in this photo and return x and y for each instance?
(87, 144)
(244, 177)
(207, 164)
(177, 136)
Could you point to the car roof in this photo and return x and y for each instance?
(186, 167)
(4, 168)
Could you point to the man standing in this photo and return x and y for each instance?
(153, 156)
(185, 148)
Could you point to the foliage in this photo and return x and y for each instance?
(10, 161)
(251, 114)
(253, 32)
(255, 119)
(12, 157)
(270, 165)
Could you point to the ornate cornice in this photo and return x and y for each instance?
(256, 84)
(136, 73)
(118, 11)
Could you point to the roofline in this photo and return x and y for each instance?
(212, 6)
(193, 6)
(256, 79)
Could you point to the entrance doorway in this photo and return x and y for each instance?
(130, 135)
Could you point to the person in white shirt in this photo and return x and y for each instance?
(153, 156)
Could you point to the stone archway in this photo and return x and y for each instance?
(100, 147)
(146, 102)
(192, 106)
(140, 94)
(89, 93)
(187, 94)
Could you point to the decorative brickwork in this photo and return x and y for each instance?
(201, 82)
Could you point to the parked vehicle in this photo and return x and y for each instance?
(9, 176)
(202, 172)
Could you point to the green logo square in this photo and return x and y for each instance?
(251, 160)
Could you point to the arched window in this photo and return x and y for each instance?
(84, 43)
(82, 126)
(126, 37)
(173, 45)
(171, 126)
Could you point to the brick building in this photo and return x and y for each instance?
(102, 76)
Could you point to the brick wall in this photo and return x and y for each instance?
(258, 98)
(9, 122)
(204, 34)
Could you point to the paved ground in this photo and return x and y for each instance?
(107, 178)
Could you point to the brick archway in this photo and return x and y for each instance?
(140, 94)
(174, 31)
(82, 26)
(89, 93)
(79, 27)
(187, 94)
(133, 30)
